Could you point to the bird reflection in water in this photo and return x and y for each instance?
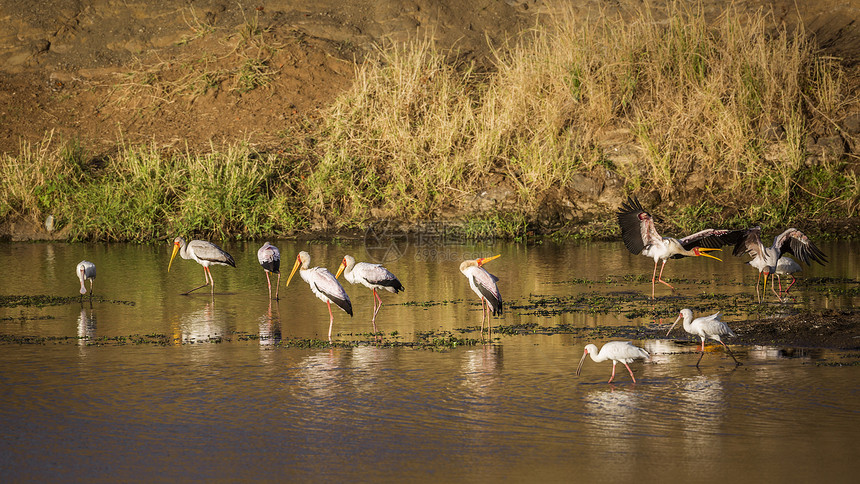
(481, 368)
(86, 326)
(270, 326)
(320, 375)
(614, 414)
(201, 326)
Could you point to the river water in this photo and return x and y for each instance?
(224, 399)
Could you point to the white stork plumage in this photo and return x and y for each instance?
(86, 270)
(270, 258)
(641, 237)
(372, 276)
(484, 285)
(324, 286)
(705, 327)
(204, 253)
(617, 351)
(766, 259)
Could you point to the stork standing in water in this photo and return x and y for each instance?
(372, 276)
(705, 327)
(270, 258)
(617, 351)
(484, 285)
(204, 253)
(324, 286)
(86, 270)
(641, 237)
(766, 259)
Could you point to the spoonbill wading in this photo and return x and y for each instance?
(641, 237)
(372, 276)
(270, 258)
(204, 253)
(484, 285)
(705, 327)
(766, 259)
(86, 270)
(617, 351)
(324, 286)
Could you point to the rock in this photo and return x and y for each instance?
(825, 148)
(772, 132)
(585, 186)
(851, 123)
(627, 158)
(833, 146)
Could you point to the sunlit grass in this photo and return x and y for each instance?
(422, 131)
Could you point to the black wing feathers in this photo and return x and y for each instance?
(631, 224)
(495, 302)
(392, 283)
(798, 244)
(344, 304)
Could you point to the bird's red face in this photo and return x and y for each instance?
(172, 256)
(340, 269)
(295, 268)
(484, 260)
(702, 251)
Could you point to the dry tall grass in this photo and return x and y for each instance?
(699, 96)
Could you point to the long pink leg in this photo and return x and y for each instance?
(489, 321)
(330, 321)
(661, 275)
(278, 288)
(269, 283)
(757, 294)
(653, 278)
(211, 280)
(793, 280)
(773, 289)
(206, 277)
(613, 372)
(483, 314)
(377, 305)
(631, 372)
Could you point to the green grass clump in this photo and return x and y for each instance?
(144, 193)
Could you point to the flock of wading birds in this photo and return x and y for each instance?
(639, 235)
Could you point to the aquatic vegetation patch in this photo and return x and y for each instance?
(23, 318)
(441, 340)
(38, 301)
(634, 305)
(428, 304)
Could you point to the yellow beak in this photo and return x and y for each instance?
(173, 256)
(703, 254)
(340, 269)
(484, 260)
(295, 267)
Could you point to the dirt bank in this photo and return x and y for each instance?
(86, 68)
(198, 74)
